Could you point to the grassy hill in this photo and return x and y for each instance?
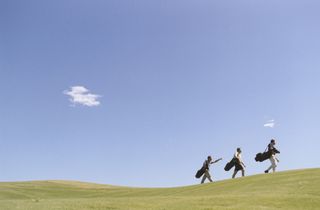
(298, 189)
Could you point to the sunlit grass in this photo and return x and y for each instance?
(285, 190)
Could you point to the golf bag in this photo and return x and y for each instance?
(200, 172)
(260, 157)
(230, 164)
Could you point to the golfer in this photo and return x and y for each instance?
(273, 159)
(206, 165)
(239, 165)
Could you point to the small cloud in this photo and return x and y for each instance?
(270, 124)
(81, 95)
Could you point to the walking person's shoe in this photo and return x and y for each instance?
(266, 171)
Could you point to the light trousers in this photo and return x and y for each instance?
(273, 163)
(205, 176)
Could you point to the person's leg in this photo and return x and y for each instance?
(234, 173)
(242, 172)
(267, 171)
(274, 164)
(208, 175)
(203, 178)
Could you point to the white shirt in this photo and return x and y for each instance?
(238, 156)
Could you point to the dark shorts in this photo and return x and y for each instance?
(238, 167)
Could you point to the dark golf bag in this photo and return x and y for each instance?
(200, 172)
(260, 157)
(230, 164)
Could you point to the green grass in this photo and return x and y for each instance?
(298, 189)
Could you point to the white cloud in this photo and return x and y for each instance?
(270, 124)
(81, 95)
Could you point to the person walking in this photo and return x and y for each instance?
(273, 159)
(206, 166)
(239, 165)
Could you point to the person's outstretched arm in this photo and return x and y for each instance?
(216, 160)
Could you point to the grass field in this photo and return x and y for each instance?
(298, 189)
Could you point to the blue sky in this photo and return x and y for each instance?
(138, 93)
